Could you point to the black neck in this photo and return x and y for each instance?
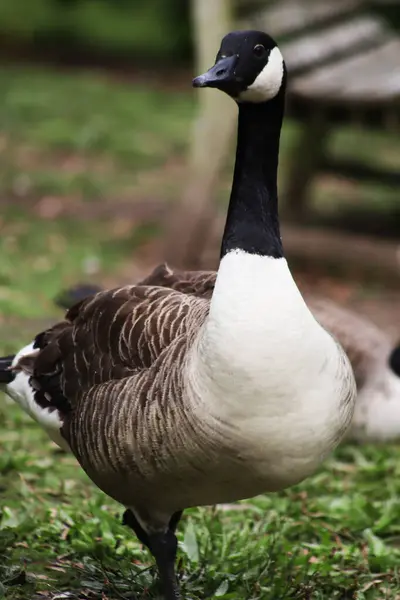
(252, 222)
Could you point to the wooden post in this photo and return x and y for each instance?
(187, 229)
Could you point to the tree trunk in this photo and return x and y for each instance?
(189, 224)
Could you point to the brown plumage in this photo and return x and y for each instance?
(196, 283)
(124, 341)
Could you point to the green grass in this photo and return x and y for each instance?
(38, 258)
(45, 115)
(157, 30)
(66, 140)
(75, 141)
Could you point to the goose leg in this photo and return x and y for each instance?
(163, 546)
(129, 519)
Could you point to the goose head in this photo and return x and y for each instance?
(249, 67)
(394, 361)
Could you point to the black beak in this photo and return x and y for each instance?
(221, 75)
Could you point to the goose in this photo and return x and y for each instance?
(170, 400)
(375, 362)
(371, 351)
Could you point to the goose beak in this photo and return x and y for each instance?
(220, 76)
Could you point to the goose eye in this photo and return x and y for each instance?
(259, 51)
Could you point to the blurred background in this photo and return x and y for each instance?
(111, 163)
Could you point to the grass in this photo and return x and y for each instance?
(69, 142)
(111, 130)
(157, 28)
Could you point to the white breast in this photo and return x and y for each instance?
(270, 371)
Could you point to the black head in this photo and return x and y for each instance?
(75, 294)
(394, 360)
(249, 67)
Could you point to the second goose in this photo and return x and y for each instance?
(168, 400)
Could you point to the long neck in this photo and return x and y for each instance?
(252, 223)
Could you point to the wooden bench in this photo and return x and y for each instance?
(344, 63)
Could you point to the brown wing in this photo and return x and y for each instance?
(195, 283)
(113, 370)
(107, 337)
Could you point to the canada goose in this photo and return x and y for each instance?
(169, 400)
(377, 371)
(376, 364)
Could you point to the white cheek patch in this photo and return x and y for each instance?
(268, 83)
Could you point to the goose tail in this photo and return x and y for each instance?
(6, 374)
(16, 383)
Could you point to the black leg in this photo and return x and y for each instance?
(163, 546)
(174, 522)
(129, 519)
